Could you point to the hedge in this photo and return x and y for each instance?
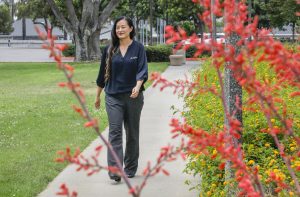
(158, 53)
(191, 51)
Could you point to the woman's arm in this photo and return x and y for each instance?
(100, 79)
(142, 72)
(98, 100)
(136, 89)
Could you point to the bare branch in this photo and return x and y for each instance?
(107, 11)
(60, 16)
(72, 15)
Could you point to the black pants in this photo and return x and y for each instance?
(121, 108)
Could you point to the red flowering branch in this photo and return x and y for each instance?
(64, 191)
(182, 86)
(168, 154)
(200, 140)
(278, 181)
(92, 166)
(261, 47)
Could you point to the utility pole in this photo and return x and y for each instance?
(249, 14)
(151, 21)
(167, 16)
(214, 22)
(12, 9)
(23, 26)
(249, 9)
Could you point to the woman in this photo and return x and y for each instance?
(122, 74)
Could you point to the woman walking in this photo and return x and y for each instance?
(122, 75)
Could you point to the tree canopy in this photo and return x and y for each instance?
(182, 13)
(275, 13)
(36, 9)
(84, 20)
(5, 20)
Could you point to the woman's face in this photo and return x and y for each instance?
(122, 29)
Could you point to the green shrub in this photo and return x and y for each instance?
(70, 51)
(191, 51)
(158, 53)
(102, 47)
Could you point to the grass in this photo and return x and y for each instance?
(36, 120)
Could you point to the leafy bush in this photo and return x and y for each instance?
(259, 148)
(102, 47)
(191, 51)
(70, 51)
(158, 53)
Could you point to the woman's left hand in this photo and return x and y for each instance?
(135, 92)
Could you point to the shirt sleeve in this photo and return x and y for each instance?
(100, 79)
(142, 73)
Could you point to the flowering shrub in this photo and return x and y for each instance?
(259, 147)
(277, 138)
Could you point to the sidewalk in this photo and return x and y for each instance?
(27, 55)
(155, 133)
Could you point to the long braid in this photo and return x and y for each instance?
(111, 52)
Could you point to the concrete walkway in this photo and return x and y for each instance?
(27, 55)
(155, 133)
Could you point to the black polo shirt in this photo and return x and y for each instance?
(125, 71)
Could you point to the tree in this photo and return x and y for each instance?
(276, 13)
(178, 10)
(138, 10)
(11, 5)
(36, 9)
(258, 8)
(5, 20)
(283, 13)
(84, 19)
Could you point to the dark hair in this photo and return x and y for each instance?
(115, 43)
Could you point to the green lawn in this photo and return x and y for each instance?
(36, 120)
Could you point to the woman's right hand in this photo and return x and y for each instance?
(97, 103)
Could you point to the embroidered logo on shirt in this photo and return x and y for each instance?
(132, 58)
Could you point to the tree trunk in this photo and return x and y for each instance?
(81, 46)
(199, 26)
(84, 27)
(233, 91)
(65, 35)
(94, 46)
